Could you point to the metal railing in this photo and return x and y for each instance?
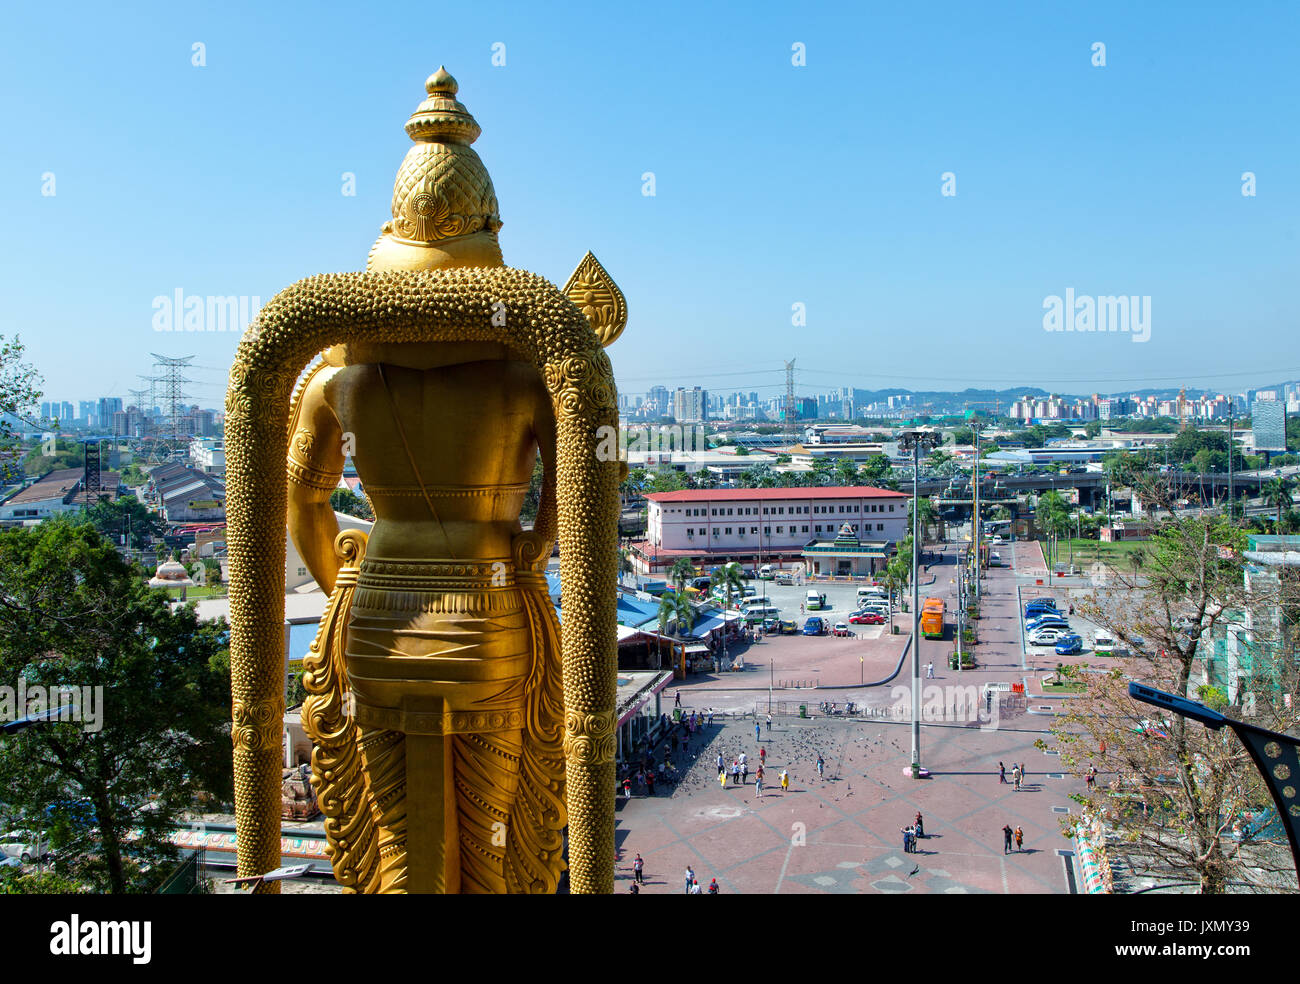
(190, 876)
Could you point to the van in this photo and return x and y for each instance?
(1103, 644)
(814, 601)
(872, 591)
(765, 572)
(759, 613)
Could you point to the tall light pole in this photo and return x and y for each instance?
(975, 506)
(915, 441)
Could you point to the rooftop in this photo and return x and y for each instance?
(749, 495)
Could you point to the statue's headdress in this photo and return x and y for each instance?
(442, 192)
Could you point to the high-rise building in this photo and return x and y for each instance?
(690, 406)
(108, 406)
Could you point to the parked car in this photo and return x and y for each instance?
(1069, 645)
(1039, 605)
(771, 625)
(1056, 621)
(867, 618)
(840, 629)
(788, 627)
(765, 572)
(1046, 636)
(814, 625)
(785, 578)
(20, 844)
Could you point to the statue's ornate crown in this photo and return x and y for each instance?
(442, 192)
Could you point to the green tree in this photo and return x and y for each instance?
(74, 613)
(730, 577)
(115, 518)
(19, 394)
(927, 515)
(1277, 493)
(67, 454)
(682, 571)
(666, 479)
(532, 500)
(676, 609)
(846, 472)
(1181, 786)
(350, 504)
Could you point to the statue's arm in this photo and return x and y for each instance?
(315, 466)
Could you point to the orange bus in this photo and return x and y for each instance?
(932, 614)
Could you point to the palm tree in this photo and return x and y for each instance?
(1277, 493)
(926, 511)
(681, 572)
(729, 577)
(677, 609)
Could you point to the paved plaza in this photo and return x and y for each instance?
(841, 833)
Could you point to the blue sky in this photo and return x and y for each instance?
(774, 184)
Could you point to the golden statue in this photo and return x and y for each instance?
(452, 740)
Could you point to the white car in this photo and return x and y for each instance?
(1046, 636)
(20, 844)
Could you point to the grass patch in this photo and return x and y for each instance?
(1117, 555)
(1064, 688)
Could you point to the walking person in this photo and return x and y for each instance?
(690, 878)
(719, 761)
(821, 766)
(758, 788)
(1006, 838)
(638, 869)
(929, 671)
(1002, 774)
(769, 724)
(677, 699)
(785, 781)
(758, 732)
(1015, 776)
(710, 717)
(627, 788)
(907, 840)
(762, 756)
(919, 824)
(735, 772)
(1020, 839)
(744, 774)
(722, 778)
(695, 887)
(650, 782)
(713, 887)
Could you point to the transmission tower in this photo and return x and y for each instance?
(173, 387)
(790, 415)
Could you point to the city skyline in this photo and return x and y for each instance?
(966, 170)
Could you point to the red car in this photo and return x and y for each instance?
(840, 629)
(867, 618)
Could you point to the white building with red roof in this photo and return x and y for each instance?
(768, 526)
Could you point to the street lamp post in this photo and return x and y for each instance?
(915, 441)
